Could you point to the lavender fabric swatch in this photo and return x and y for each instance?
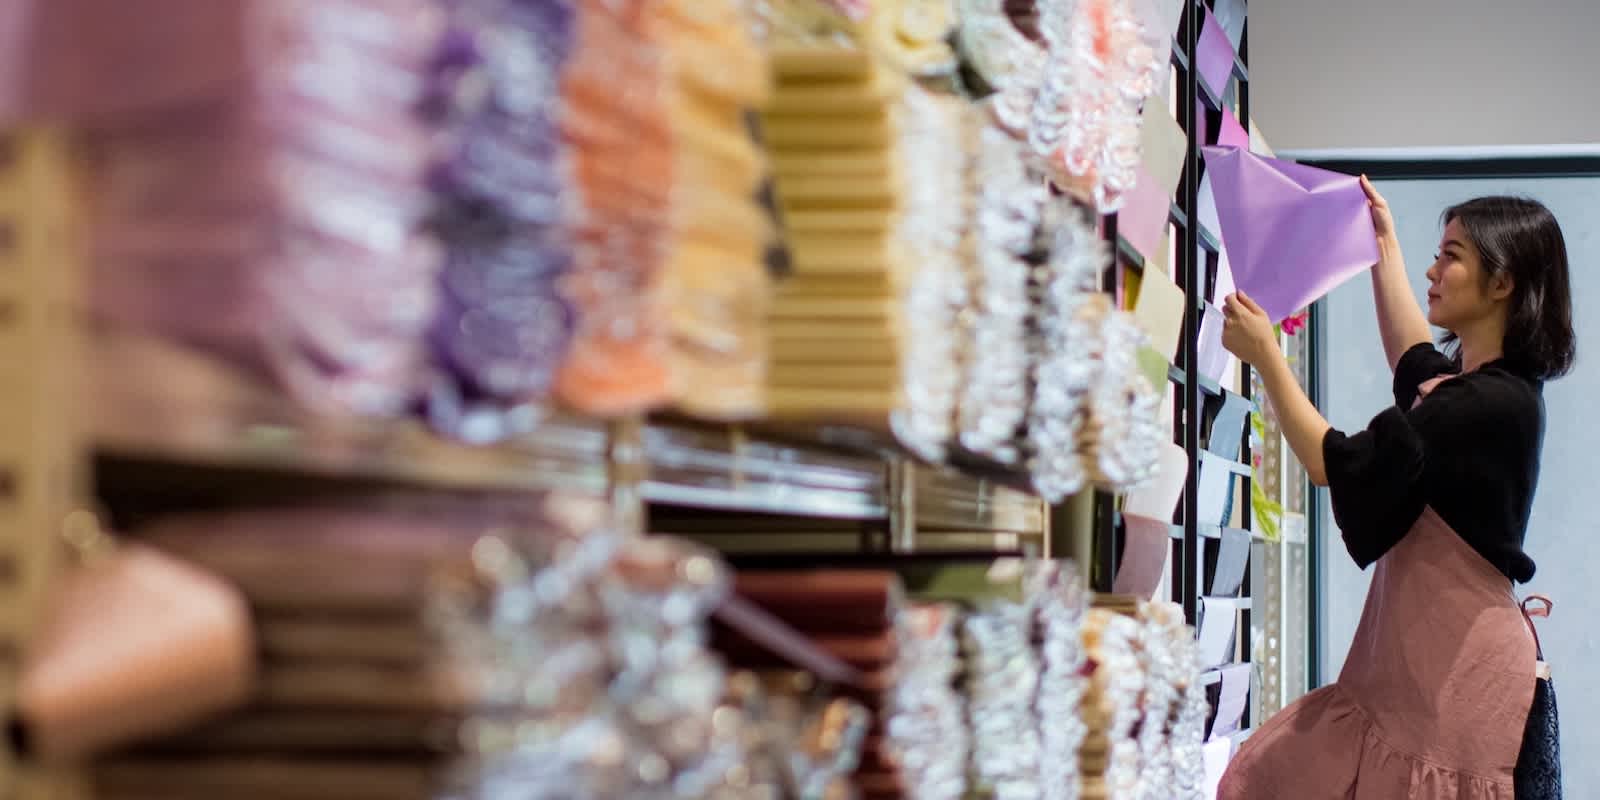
(500, 210)
(1214, 55)
(1292, 232)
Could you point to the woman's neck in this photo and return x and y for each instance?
(1481, 343)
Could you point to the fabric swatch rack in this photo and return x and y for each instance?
(1173, 273)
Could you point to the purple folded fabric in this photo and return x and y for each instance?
(502, 204)
(1292, 232)
(1214, 55)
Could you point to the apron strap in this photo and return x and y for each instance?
(1529, 611)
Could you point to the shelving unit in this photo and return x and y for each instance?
(682, 464)
(1195, 543)
(941, 527)
(653, 468)
(650, 469)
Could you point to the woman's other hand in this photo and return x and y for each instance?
(1382, 219)
(1246, 331)
(1401, 322)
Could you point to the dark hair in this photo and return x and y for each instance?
(1520, 238)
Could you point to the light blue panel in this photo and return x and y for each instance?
(1565, 525)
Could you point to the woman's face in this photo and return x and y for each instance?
(1459, 293)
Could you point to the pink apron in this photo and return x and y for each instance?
(1433, 698)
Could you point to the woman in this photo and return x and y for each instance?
(1436, 491)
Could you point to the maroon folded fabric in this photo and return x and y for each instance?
(266, 779)
(74, 59)
(831, 601)
(320, 733)
(862, 651)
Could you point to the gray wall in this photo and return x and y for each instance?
(1424, 73)
(1564, 521)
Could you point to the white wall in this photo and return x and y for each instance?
(1564, 523)
(1424, 73)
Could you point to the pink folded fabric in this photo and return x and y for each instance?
(259, 186)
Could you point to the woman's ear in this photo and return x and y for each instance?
(1501, 285)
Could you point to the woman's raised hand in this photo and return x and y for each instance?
(1382, 220)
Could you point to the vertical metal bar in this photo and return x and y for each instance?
(1103, 572)
(1258, 610)
(902, 506)
(1316, 330)
(627, 470)
(1191, 321)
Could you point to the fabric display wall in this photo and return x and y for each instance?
(639, 398)
(1222, 531)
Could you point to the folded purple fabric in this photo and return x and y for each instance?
(1292, 232)
(502, 205)
(1214, 55)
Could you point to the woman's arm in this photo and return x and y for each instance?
(1248, 334)
(1401, 322)
(1302, 425)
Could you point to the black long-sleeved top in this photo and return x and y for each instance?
(1470, 449)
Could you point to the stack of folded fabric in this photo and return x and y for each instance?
(1064, 371)
(416, 655)
(1010, 203)
(1111, 707)
(717, 286)
(617, 120)
(1001, 682)
(1100, 63)
(500, 206)
(936, 151)
(927, 726)
(356, 694)
(1166, 640)
(276, 214)
(837, 332)
(872, 174)
(849, 614)
(1061, 683)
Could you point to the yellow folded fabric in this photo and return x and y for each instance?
(835, 164)
(800, 97)
(876, 309)
(877, 287)
(869, 407)
(802, 222)
(833, 376)
(825, 351)
(841, 133)
(796, 61)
